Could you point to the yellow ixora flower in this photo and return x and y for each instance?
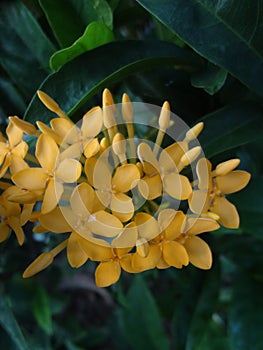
(109, 195)
(213, 186)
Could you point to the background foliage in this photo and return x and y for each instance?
(206, 58)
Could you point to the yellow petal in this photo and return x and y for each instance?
(48, 131)
(203, 169)
(177, 186)
(14, 223)
(89, 170)
(20, 150)
(105, 224)
(66, 129)
(4, 231)
(81, 200)
(140, 264)
(199, 252)
(127, 237)
(171, 222)
(92, 122)
(47, 152)
(31, 179)
(162, 264)
(167, 163)
(174, 254)
(14, 134)
(122, 207)
(233, 181)
(26, 127)
(125, 178)
(142, 247)
(151, 187)
(190, 156)
(97, 250)
(91, 148)
(41, 262)
(226, 167)
(227, 212)
(174, 151)
(100, 175)
(199, 201)
(26, 213)
(107, 273)
(52, 196)
(55, 221)
(69, 170)
(73, 151)
(194, 226)
(126, 263)
(50, 103)
(75, 254)
(147, 226)
(17, 164)
(194, 132)
(147, 158)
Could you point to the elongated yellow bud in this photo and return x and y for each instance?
(164, 118)
(119, 147)
(194, 132)
(51, 104)
(42, 261)
(225, 167)
(127, 110)
(190, 156)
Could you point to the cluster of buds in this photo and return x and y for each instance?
(111, 196)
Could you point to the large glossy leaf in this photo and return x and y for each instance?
(9, 323)
(231, 127)
(74, 16)
(142, 322)
(81, 78)
(25, 49)
(227, 33)
(246, 314)
(96, 34)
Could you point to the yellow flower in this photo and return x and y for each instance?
(210, 198)
(52, 174)
(13, 150)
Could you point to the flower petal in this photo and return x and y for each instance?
(126, 263)
(14, 223)
(91, 148)
(147, 158)
(122, 207)
(171, 222)
(105, 224)
(107, 273)
(75, 254)
(41, 262)
(47, 152)
(151, 187)
(199, 252)
(31, 179)
(20, 150)
(52, 196)
(127, 237)
(175, 152)
(26, 127)
(140, 264)
(55, 221)
(14, 134)
(199, 201)
(97, 250)
(92, 122)
(99, 174)
(174, 254)
(66, 129)
(81, 200)
(17, 164)
(203, 169)
(147, 226)
(233, 181)
(4, 231)
(125, 178)
(73, 151)
(227, 211)
(226, 167)
(69, 170)
(194, 226)
(177, 186)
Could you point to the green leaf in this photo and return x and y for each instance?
(144, 329)
(246, 314)
(205, 307)
(42, 310)
(231, 127)
(96, 34)
(227, 33)
(74, 16)
(11, 100)
(86, 75)
(9, 323)
(25, 49)
(211, 79)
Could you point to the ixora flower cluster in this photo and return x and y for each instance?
(112, 197)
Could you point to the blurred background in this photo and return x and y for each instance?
(206, 59)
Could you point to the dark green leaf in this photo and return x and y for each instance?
(205, 307)
(227, 33)
(11, 100)
(96, 34)
(42, 310)
(74, 16)
(81, 78)
(231, 127)
(9, 323)
(211, 79)
(144, 329)
(25, 49)
(246, 314)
